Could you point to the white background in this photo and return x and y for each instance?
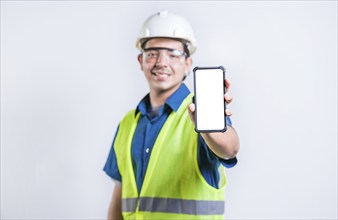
(69, 73)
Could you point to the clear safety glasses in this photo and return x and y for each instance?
(153, 53)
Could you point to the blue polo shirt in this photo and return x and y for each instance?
(146, 132)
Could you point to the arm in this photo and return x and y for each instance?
(114, 211)
(224, 145)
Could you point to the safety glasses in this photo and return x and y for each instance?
(153, 53)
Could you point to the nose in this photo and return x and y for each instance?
(162, 60)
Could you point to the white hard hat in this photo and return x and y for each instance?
(168, 25)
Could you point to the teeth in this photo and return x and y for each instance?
(161, 75)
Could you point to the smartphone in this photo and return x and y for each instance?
(209, 88)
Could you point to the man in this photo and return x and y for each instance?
(162, 168)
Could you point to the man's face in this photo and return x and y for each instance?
(164, 66)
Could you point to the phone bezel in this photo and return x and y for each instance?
(195, 100)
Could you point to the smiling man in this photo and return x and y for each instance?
(164, 65)
(162, 168)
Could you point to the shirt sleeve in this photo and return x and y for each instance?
(228, 121)
(209, 163)
(111, 167)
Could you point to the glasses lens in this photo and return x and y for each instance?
(152, 54)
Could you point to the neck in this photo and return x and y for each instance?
(158, 98)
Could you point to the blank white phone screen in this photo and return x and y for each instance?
(209, 99)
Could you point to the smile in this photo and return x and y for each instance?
(160, 75)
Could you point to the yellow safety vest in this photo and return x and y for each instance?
(173, 187)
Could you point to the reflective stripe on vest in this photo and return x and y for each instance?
(129, 204)
(176, 206)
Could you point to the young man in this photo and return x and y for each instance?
(162, 167)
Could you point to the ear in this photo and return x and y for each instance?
(140, 60)
(188, 64)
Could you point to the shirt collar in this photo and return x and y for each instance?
(174, 101)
